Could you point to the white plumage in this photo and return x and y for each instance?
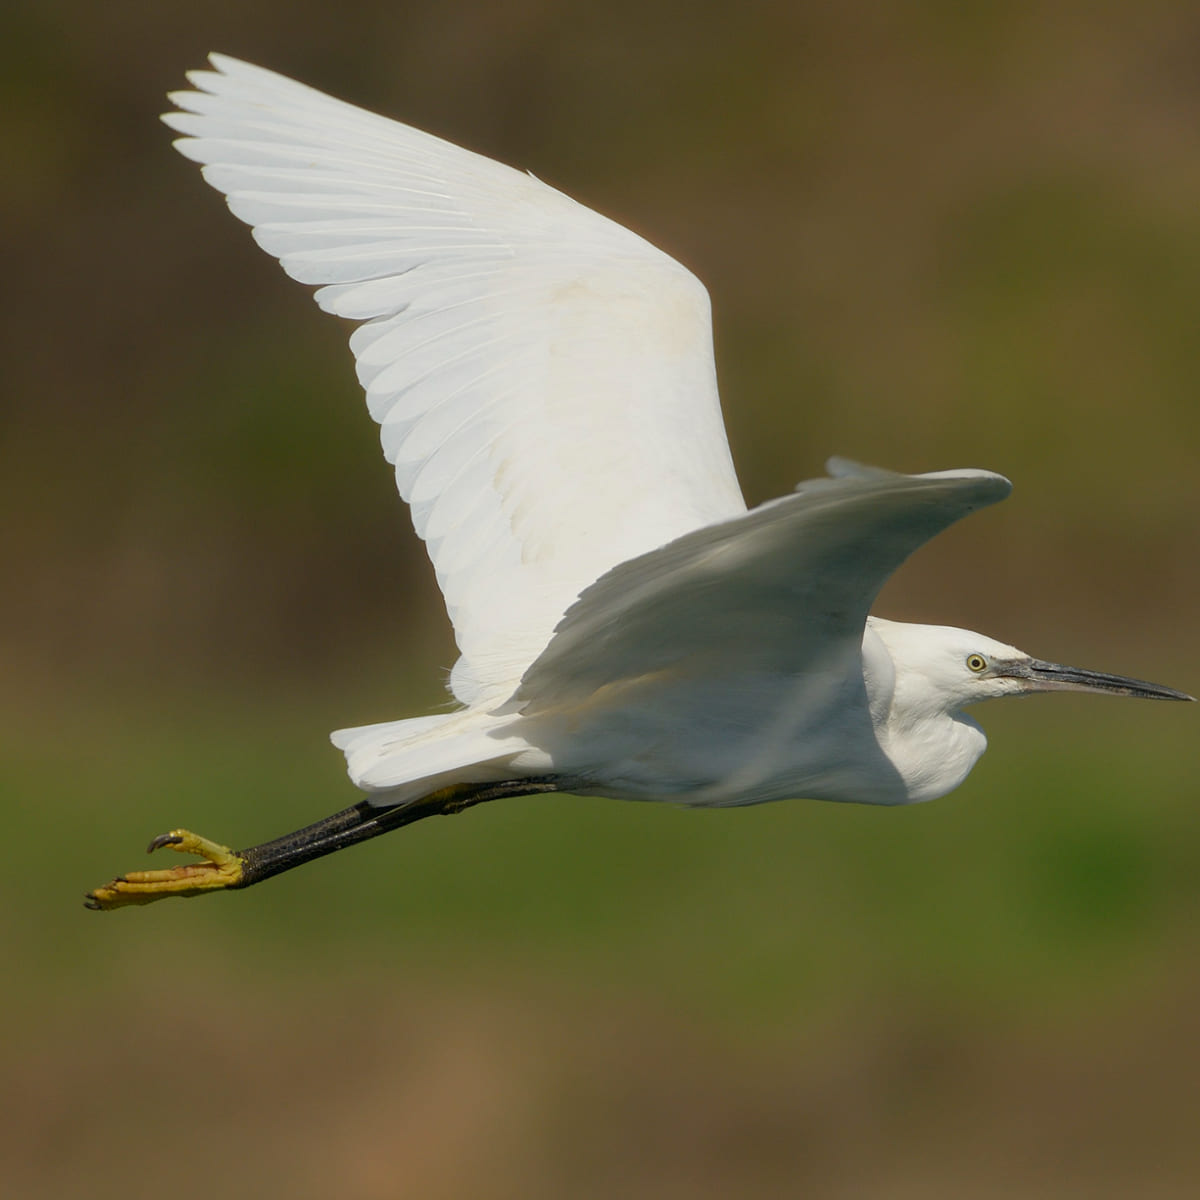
(544, 384)
(531, 364)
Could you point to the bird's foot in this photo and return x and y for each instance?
(222, 868)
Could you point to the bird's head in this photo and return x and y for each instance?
(939, 668)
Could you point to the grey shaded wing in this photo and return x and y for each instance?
(776, 589)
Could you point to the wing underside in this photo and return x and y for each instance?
(543, 377)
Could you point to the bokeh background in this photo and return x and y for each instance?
(936, 235)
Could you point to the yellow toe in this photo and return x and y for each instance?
(221, 869)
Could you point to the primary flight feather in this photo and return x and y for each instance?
(545, 388)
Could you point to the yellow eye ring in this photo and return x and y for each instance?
(976, 663)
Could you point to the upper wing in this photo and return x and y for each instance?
(783, 588)
(543, 377)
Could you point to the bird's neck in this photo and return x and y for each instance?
(932, 747)
(935, 754)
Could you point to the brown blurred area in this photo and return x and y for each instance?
(935, 235)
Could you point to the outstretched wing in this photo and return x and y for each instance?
(783, 588)
(543, 377)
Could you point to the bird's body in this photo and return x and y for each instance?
(545, 387)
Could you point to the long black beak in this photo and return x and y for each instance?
(1051, 677)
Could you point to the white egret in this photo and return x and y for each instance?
(545, 386)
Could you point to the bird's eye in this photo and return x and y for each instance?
(976, 663)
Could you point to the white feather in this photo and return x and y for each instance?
(543, 377)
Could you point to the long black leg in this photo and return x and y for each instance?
(364, 821)
(224, 869)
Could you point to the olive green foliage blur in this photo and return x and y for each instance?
(935, 236)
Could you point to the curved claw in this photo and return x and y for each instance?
(164, 839)
(221, 869)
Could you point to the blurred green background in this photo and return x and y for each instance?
(936, 235)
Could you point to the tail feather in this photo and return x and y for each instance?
(396, 762)
(350, 739)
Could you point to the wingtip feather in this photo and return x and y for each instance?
(847, 468)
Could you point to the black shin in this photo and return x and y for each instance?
(364, 821)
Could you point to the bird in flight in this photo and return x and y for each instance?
(544, 384)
